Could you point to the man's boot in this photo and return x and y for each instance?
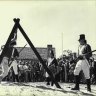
(17, 79)
(48, 80)
(76, 83)
(88, 85)
(52, 83)
(1, 79)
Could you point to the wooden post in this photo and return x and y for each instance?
(37, 54)
(9, 39)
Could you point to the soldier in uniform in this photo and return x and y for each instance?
(6, 57)
(52, 65)
(14, 64)
(84, 54)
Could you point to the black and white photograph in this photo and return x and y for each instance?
(47, 48)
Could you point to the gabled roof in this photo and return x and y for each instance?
(27, 53)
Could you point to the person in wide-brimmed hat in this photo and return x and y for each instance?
(83, 62)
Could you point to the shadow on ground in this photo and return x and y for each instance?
(51, 89)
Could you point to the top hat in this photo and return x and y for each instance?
(82, 37)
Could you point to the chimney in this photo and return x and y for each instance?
(49, 47)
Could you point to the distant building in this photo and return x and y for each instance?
(27, 54)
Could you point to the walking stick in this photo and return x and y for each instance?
(22, 48)
(19, 53)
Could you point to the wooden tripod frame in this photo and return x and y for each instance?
(17, 25)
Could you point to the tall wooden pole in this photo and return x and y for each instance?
(62, 43)
(37, 54)
(9, 39)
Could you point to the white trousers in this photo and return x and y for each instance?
(84, 66)
(14, 64)
(4, 65)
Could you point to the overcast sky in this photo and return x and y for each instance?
(45, 22)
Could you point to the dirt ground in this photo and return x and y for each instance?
(41, 89)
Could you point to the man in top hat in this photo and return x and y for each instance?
(84, 54)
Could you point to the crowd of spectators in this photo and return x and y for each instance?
(67, 71)
(28, 72)
(34, 72)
